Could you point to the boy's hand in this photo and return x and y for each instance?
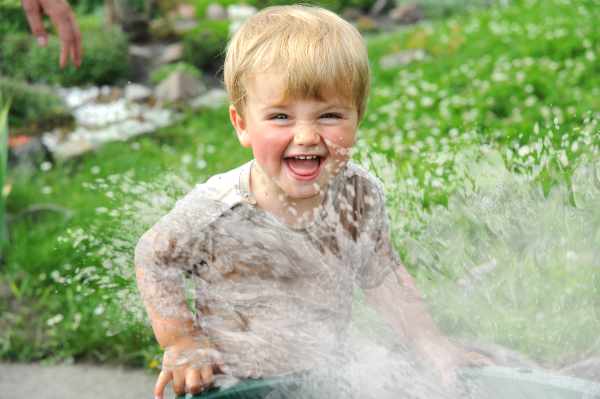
(446, 358)
(63, 19)
(190, 363)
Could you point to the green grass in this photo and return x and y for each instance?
(4, 107)
(523, 81)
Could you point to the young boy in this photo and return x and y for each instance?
(275, 247)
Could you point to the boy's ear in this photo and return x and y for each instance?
(239, 124)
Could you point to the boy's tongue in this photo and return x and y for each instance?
(303, 167)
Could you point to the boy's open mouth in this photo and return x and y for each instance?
(304, 167)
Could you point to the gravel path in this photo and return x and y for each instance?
(34, 381)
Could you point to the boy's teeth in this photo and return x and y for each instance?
(306, 157)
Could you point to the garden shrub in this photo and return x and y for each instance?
(33, 107)
(104, 62)
(334, 5)
(204, 46)
(164, 71)
(202, 5)
(4, 107)
(86, 6)
(13, 18)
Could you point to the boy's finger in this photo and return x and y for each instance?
(179, 382)
(33, 12)
(218, 367)
(163, 379)
(207, 375)
(194, 381)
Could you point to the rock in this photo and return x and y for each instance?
(588, 369)
(75, 97)
(140, 57)
(407, 14)
(238, 13)
(186, 11)
(137, 29)
(171, 53)
(366, 24)
(214, 98)
(402, 58)
(138, 50)
(72, 149)
(26, 151)
(161, 28)
(179, 86)
(351, 14)
(377, 7)
(137, 93)
(216, 12)
(183, 26)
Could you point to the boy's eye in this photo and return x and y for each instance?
(331, 115)
(279, 117)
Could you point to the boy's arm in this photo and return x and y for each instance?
(189, 360)
(399, 302)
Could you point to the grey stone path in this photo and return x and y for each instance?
(34, 381)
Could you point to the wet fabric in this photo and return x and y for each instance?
(273, 299)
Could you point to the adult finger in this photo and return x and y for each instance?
(62, 17)
(64, 25)
(194, 381)
(77, 49)
(163, 379)
(33, 12)
(71, 40)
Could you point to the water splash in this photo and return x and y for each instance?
(504, 263)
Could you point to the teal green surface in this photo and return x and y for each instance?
(481, 383)
(249, 389)
(520, 383)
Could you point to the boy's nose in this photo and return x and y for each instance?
(306, 134)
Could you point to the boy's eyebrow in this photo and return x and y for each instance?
(283, 106)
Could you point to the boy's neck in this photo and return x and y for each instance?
(270, 198)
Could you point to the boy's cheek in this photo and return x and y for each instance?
(340, 144)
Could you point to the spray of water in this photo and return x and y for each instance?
(504, 265)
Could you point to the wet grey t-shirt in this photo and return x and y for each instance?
(273, 299)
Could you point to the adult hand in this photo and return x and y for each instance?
(190, 364)
(63, 18)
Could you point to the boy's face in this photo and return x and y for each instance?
(299, 144)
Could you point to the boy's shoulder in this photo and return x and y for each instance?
(209, 200)
(364, 177)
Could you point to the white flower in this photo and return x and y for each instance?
(54, 320)
(523, 151)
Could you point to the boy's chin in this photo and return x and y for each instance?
(303, 193)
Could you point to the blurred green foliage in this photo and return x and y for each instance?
(524, 79)
(204, 46)
(33, 107)
(12, 17)
(446, 8)
(4, 108)
(105, 59)
(334, 5)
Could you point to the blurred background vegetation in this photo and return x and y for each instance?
(520, 78)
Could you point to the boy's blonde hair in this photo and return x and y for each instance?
(314, 48)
